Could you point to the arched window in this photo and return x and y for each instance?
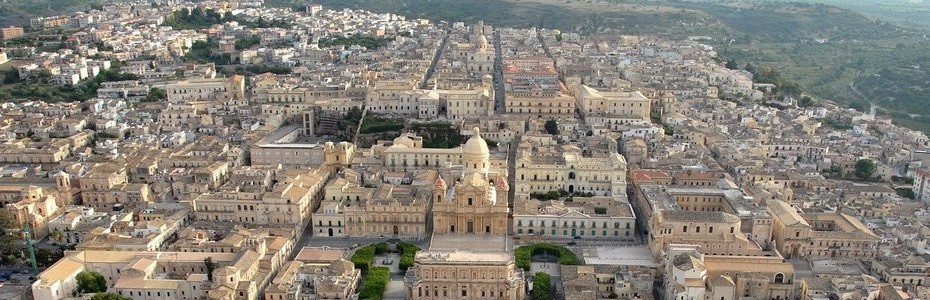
(779, 278)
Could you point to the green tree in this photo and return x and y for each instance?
(90, 282)
(407, 253)
(375, 282)
(155, 94)
(11, 248)
(865, 168)
(11, 76)
(906, 193)
(542, 287)
(247, 42)
(806, 101)
(56, 236)
(46, 257)
(109, 296)
(210, 266)
(552, 127)
(731, 64)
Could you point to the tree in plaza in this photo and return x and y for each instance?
(542, 287)
(865, 168)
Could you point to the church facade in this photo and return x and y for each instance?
(470, 255)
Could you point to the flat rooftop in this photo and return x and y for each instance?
(619, 255)
(473, 243)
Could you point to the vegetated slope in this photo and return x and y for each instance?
(574, 15)
(906, 13)
(18, 12)
(834, 53)
(829, 50)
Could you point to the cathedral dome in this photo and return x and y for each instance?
(476, 146)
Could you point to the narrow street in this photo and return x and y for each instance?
(436, 56)
(498, 75)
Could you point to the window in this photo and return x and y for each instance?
(469, 201)
(779, 278)
(684, 229)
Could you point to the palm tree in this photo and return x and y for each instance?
(57, 236)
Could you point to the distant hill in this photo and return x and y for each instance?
(904, 12)
(18, 12)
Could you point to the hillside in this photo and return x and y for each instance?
(915, 13)
(18, 12)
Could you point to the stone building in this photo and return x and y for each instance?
(470, 254)
(543, 166)
(830, 234)
(691, 274)
(584, 217)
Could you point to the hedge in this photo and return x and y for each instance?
(375, 282)
(542, 287)
(523, 254)
(363, 256)
(381, 248)
(407, 253)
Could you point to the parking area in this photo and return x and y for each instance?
(15, 283)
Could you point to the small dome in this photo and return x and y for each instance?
(501, 183)
(440, 183)
(476, 146)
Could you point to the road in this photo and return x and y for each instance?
(341, 242)
(498, 75)
(436, 56)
